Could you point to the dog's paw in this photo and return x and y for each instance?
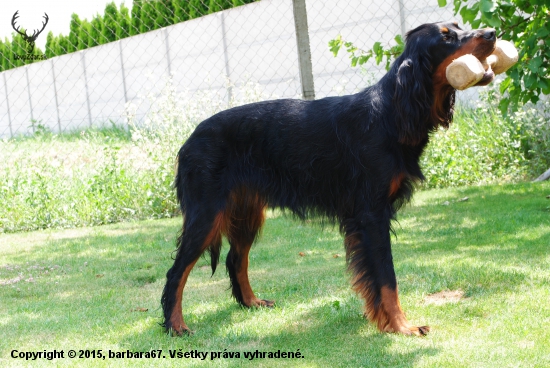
(420, 330)
(408, 330)
(257, 303)
(182, 331)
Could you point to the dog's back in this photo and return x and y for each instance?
(306, 156)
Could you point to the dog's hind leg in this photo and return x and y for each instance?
(198, 233)
(246, 212)
(370, 260)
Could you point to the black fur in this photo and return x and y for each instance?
(351, 160)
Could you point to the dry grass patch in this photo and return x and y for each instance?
(444, 297)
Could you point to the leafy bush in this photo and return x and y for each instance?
(482, 146)
(478, 148)
(533, 122)
(103, 176)
(65, 181)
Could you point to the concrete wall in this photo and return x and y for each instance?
(217, 53)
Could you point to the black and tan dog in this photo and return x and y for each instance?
(352, 160)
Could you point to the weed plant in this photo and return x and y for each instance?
(101, 176)
(484, 147)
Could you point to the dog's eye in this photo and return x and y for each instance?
(447, 37)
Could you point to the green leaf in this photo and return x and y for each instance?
(350, 46)
(378, 52)
(492, 20)
(469, 15)
(457, 5)
(442, 3)
(529, 80)
(535, 64)
(543, 32)
(525, 98)
(507, 10)
(544, 84)
(487, 6)
(363, 59)
(531, 42)
(514, 74)
(503, 106)
(505, 84)
(399, 40)
(335, 45)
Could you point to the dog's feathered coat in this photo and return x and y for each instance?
(352, 160)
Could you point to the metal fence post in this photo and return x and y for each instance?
(123, 73)
(29, 92)
(402, 18)
(226, 59)
(8, 104)
(55, 95)
(304, 51)
(86, 86)
(167, 52)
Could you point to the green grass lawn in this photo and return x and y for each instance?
(99, 288)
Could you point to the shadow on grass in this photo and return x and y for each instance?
(92, 284)
(341, 342)
(97, 281)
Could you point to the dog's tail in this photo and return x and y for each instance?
(185, 189)
(178, 185)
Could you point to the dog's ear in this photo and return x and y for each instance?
(413, 98)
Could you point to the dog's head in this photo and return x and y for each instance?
(422, 89)
(446, 42)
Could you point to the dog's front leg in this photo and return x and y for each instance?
(368, 253)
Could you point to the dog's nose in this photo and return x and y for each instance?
(489, 34)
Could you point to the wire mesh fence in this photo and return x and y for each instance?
(122, 59)
(125, 88)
